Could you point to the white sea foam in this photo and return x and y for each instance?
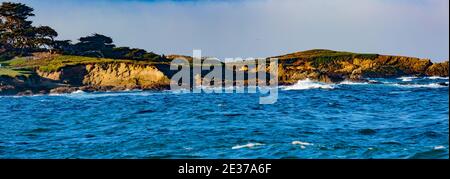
(87, 95)
(399, 92)
(407, 78)
(346, 82)
(437, 78)
(301, 143)
(309, 84)
(22, 96)
(431, 85)
(78, 92)
(249, 145)
(439, 147)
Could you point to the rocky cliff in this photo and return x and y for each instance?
(89, 77)
(112, 75)
(332, 66)
(321, 65)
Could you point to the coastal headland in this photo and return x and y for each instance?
(44, 73)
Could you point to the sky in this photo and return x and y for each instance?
(256, 28)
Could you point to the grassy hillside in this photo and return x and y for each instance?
(320, 56)
(13, 72)
(15, 66)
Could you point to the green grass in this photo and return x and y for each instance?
(58, 62)
(321, 56)
(4, 71)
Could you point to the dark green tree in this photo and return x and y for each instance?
(95, 45)
(63, 46)
(45, 36)
(16, 31)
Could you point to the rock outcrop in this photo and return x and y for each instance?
(356, 67)
(25, 85)
(89, 77)
(114, 75)
(438, 69)
(321, 65)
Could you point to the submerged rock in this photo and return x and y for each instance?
(60, 90)
(367, 131)
(443, 83)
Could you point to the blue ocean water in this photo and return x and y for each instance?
(396, 118)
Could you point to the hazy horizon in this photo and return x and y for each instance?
(257, 28)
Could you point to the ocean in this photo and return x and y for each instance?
(398, 118)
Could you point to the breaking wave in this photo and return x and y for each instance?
(249, 145)
(79, 94)
(407, 78)
(437, 78)
(430, 85)
(309, 84)
(346, 82)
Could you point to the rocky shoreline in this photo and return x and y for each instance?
(120, 76)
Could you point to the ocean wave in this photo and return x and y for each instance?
(23, 96)
(440, 147)
(407, 78)
(346, 82)
(399, 92)
(79, 94)
(309, 84)
(437, 78)
(430, 85)
(302, 144)
(249, 145)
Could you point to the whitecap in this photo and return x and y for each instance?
(407, 78)
(78, 92)
(309, 84)
(431, 85)
(249, 145)
(399, 92)
(440, 147)
(301, 143)
(437, 78)
(346, 82)
(87, 95)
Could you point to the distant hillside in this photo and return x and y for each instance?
(65, 73)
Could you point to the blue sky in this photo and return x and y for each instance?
(257, 28)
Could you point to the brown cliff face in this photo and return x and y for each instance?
(25, 85)
(113, 75)
(438, 69)
(321, 65)
(338, 66)
(124, 75)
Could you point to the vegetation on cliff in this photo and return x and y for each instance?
(56, 62)
(32, 59)
(335, 66)
(17, 34)
(18, 37)
(323, 56)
